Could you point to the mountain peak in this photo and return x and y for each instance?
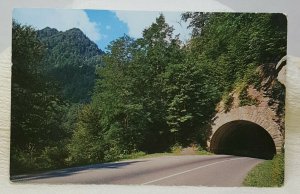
(72, 59)
(73, 39)
(75, 30)
(76, 33)
(47, 32)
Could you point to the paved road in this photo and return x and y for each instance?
(193, 170)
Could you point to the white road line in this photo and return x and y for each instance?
(166, 177)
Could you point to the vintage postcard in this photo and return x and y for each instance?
(148, 98)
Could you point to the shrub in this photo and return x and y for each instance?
(176, 148)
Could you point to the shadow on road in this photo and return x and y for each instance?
(71, 171)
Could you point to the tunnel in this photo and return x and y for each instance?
(243, 138)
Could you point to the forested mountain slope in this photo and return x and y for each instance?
(53, 74)
(71, 59)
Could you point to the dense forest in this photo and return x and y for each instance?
(73, 104)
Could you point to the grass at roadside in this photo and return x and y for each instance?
(201, 151)
(140, 155)
(175, 151)
(267, 174)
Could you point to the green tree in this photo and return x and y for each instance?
(36, 110)
(121, 112)
(192, 97)
(160, 48)
(233, 42)
(87, 144)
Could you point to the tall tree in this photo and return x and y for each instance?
(233, 42)
(114, 97)
(159, 48)
(36, 110)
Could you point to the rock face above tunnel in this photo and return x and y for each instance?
(266, 113)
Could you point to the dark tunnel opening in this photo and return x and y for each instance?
(243, 138)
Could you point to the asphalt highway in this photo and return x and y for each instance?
(188, 170)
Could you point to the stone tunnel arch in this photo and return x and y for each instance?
(248, 131)
(243, 138)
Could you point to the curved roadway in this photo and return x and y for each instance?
(189, 170)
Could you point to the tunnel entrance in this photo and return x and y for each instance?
(243, 138)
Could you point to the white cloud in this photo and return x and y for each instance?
(137, 21)
(61, 19)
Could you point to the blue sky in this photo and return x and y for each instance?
(109, 25)
(101, 26)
